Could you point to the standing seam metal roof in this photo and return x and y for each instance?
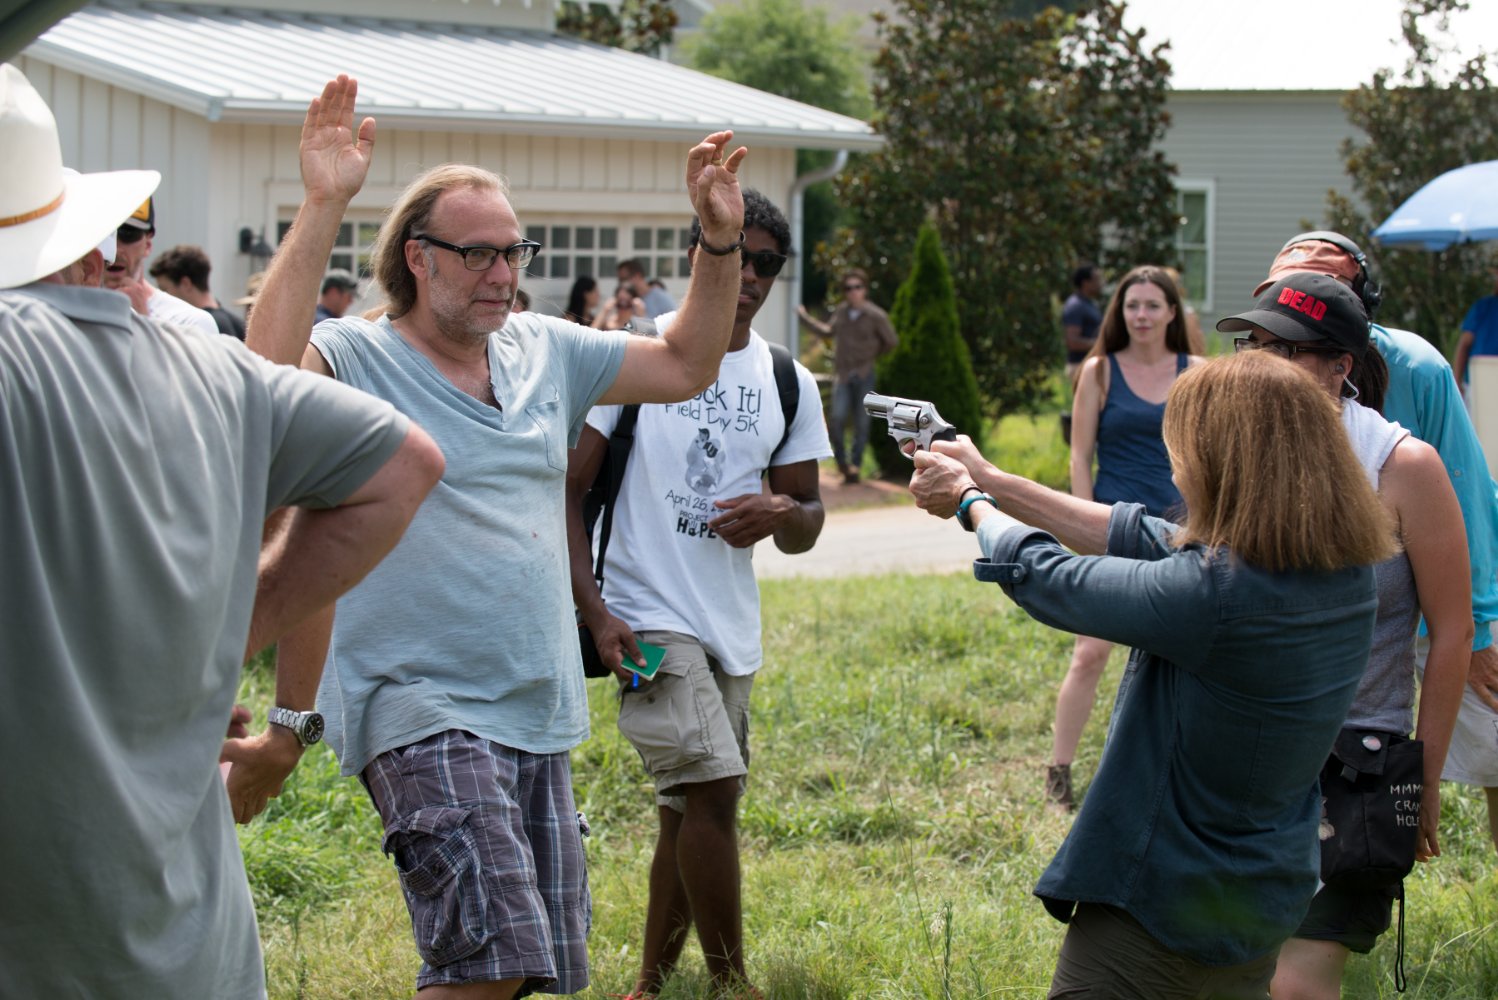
(260, 65)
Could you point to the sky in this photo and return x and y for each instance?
(1291, 44)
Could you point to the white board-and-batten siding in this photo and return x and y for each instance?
(220, 177)
(1269, 159)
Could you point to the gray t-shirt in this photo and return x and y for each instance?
(468, 623)
(139, 463)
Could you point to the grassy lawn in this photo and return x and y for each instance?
(892, 830)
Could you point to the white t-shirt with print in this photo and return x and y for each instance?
(666, 569)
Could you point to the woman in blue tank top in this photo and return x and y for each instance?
(1117, 410)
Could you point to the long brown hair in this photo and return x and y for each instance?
(1265, 467)
(1114, 333)
(410, 214)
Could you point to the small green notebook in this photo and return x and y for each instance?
(653, 657)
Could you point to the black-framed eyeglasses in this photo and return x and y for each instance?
(766, 263)
(1284, 348)
(130, 234)
(481, 256)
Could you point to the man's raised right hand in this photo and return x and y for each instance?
(334, 159)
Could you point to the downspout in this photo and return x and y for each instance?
(797, 193)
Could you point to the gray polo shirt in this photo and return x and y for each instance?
(137, 464)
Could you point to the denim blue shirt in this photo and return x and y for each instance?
(1422, 397)
(1201, 823)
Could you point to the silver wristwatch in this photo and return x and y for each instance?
(306, 725)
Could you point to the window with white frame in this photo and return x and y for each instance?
(570, 249)
(351, 250)
(573, 247)
(1193, 240)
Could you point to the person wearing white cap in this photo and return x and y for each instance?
(141, 460)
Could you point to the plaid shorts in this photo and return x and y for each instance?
(485, 840)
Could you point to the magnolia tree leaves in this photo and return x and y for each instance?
(1028, 142)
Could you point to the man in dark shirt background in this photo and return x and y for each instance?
(1080, 315)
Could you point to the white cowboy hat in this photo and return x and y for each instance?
(47, 219)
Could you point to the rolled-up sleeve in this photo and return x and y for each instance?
(1162, 600)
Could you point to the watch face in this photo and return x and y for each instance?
(312, 728)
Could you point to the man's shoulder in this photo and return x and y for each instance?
(228, 323)
(1406, 349)
(1077, 304)
(166, 307)
(69, 304)
(352, 332)
(1485, 309)
(534, 325)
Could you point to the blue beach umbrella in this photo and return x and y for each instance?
(1460, 206)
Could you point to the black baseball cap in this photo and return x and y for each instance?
(1307, 307)
(144, 217)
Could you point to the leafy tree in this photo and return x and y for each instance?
(1427, 118)
(783, 48)
(1029, 142)
(644, 26)
(931, 361)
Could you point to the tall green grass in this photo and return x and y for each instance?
(892, 830)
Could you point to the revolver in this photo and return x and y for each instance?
(910, 420)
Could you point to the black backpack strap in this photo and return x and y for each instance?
(789, 388)
(620, 443)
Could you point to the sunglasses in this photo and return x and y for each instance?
(766, 264)
(130, 234)
(1285, 348)
(853, 287)
(481, 256)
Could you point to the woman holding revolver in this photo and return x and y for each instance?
(1194, 854)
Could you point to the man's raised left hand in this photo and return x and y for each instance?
(713, 186)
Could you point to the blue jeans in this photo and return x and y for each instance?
(847, 395)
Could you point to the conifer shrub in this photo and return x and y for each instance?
(931, 361)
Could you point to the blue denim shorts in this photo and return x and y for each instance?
(485, 840)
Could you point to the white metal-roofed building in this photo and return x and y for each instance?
(592, 139)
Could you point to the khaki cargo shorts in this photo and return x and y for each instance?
(690, 723)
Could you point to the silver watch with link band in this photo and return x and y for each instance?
(307, 726)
